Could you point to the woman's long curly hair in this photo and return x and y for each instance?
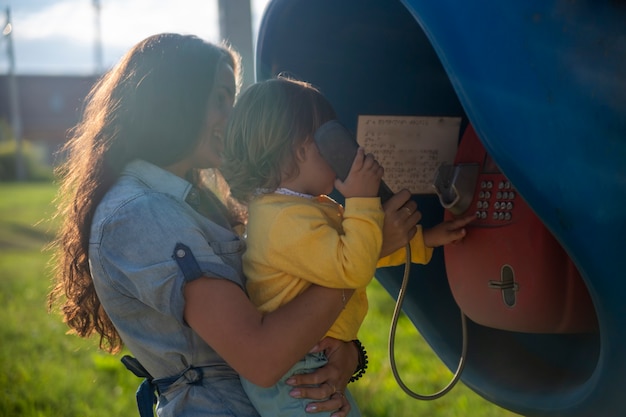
(152, 106)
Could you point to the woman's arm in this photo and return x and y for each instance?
(401, 216)
(261, 348)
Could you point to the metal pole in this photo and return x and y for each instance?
(97, 39)
(16, 119)
(236, 28)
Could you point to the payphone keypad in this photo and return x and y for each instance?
(495, 200)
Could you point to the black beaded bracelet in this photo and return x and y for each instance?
(362, 365)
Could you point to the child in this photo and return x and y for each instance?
(296, 235)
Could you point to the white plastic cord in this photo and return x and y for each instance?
(392, 336)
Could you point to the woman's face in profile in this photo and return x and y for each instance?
(209, 151)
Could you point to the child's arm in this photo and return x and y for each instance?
(425, 240)
(447, 232)
(305, 244)
(300, 242)
(420, 253)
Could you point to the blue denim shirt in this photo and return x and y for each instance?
(140, 285)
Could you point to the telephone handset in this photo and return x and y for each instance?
(338, 147)
(509, 272)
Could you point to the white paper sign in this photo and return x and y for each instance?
(410, 148)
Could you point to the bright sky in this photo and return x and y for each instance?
(57, 36)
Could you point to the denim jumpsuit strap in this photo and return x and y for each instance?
(146, 399)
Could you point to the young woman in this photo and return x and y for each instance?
(149, 259)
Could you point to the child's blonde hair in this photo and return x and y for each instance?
(269, 121)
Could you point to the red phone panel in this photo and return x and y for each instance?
(509, 272)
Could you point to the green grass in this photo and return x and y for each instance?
(47, 373)
(44, 371)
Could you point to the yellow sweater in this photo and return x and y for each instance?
(293, 242)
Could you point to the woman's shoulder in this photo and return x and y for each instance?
(134, 204)
(133, 196)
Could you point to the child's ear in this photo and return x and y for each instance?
(301, 151)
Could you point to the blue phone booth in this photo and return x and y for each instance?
(544, 86)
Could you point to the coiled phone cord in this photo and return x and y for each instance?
(392, 336)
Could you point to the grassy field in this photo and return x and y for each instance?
(47, 373)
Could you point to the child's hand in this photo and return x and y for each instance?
(447, 232)
(364, 177)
